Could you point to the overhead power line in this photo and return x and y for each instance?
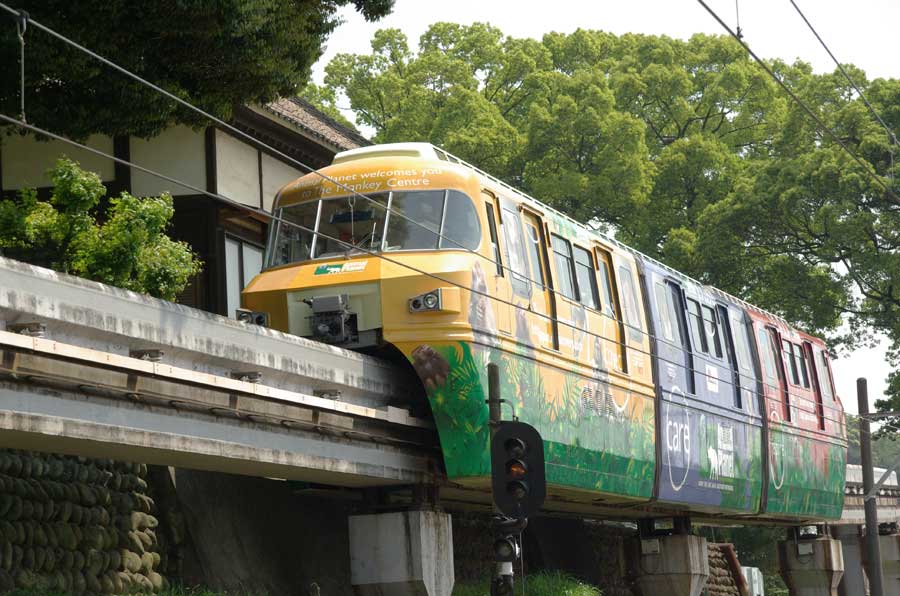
(891, 136)
(823, 128)
(844, 72)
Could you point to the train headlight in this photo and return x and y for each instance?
(428, 302)
(252, 317)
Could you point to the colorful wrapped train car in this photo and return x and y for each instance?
(654, 394)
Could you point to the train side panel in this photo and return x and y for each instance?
(710, 429)
(807, 450)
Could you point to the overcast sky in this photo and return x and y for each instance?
(862, 32)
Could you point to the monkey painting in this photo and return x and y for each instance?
(523, 332)
(431, 367)
(481, 313)
(602, 393)
(579, 328)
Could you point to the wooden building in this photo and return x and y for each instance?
(228, 239)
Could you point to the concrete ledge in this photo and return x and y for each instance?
(44, 419)
(117, 321)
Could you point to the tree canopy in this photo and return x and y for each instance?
(686, 149)
(129, 249)
(217, 55)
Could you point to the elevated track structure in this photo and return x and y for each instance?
(93, 370)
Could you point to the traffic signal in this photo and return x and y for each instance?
(517, 469)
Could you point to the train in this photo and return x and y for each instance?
(655, 395)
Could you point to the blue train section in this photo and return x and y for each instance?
(710, 431)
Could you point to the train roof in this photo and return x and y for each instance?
(429, 151)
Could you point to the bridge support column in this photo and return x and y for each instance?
(676, 565)
(811, 566)
(853, 581)
(890, 563)
(407, 553)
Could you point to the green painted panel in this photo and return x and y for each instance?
(806, 476)
(597, 437)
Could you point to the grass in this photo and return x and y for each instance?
(539, 584)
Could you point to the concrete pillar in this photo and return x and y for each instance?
(890, 563)
(853, 582)
(811, 566)
(407, 553)
(675, 565)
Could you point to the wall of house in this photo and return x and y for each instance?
(275, 174)
(25, 160)
(178, 152)
(247, 175)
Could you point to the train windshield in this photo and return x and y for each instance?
(383, 222)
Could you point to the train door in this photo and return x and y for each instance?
(493, 279)
(516, 253)
(731, 355)
(545, 324)
(590, 315)
(612, 351)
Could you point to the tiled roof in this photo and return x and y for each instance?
(316, 123)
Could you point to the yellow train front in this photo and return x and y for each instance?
(405, 252)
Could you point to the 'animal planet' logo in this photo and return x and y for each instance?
(353, 266)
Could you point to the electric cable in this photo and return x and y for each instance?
(823, 128)
(891, 136)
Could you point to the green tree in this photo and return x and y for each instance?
(687, 150)
(130, 249)
(500, 104)
(217, 55)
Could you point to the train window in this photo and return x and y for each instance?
(630, 302)
(290, 243)
(765, 350)
(698, 337)
(788, 349)
(800, 356)
(515, 253)
(421, 225)
(824, 377)
(495, 244)
(587, 282)
(711, 326)
(534, 251)
(349, 223)
(741, 343)
(663, 306)
(562, 252)
(460, 228)
(609, 306)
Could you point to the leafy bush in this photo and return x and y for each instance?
(130, 249)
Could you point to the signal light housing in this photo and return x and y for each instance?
(517, 469)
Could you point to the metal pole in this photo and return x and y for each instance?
(503, 581)
(873, 548)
